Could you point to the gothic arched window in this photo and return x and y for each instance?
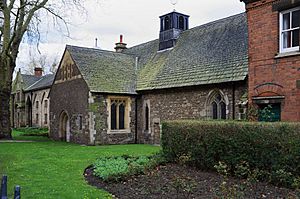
(118, 114)
(217, 106)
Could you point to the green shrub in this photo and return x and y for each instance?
(271, 148)
(32, 131)
(117, 168)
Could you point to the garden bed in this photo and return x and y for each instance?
(176, 181)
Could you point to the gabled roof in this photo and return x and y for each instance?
(213, 53)
(42, 83)
(28, 83)
(105, 71)
(28, 80)
(216, 52)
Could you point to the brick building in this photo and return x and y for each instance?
(30, 102)
(104, 97)
(274, 57)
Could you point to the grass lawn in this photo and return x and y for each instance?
(55, 169)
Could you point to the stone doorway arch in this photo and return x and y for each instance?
(64, 127)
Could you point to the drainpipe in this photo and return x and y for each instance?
(136, 105)
(233, 101)
(136, 120)
(30, 123)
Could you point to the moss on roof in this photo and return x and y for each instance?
(105, 71)
(213, 53)
(216, 52)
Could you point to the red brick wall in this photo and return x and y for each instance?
(278, 74)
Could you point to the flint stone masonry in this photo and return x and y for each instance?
(71, 96)
(100, 112)
(183, 103)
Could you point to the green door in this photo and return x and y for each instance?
(269, 113)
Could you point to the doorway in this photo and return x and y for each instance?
(64, 127)
(28, 112)
(269, 112)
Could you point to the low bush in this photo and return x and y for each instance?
(273, 149)
(118, 168)
(32, 131)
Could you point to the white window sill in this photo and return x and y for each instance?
(287, 54)
(124, 131)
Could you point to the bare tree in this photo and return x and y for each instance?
(18, 17)
(42, 61)
(54, 65)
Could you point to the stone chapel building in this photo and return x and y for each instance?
(274, 57)
(105, 97)
(29, 99)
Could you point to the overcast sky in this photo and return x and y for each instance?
(137, 20)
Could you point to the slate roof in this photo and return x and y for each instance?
(213, 53)
(105, 71)
(42, 83)
(28, 80)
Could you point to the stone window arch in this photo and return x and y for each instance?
(217, 105)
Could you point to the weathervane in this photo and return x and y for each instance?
(174, 2)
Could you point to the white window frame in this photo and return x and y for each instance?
(291, 49)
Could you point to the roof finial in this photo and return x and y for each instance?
(96, 42)
(174, 2)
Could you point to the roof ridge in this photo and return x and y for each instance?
(28, 75)
(36, 82)
(202, 25)
(153, 40)
(100, 50)
(216, 21)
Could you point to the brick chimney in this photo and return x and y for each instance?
(120, 46)
(38, 72)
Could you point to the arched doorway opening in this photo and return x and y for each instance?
(64, 127)
(28, 112)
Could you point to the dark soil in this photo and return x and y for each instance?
(175, 181)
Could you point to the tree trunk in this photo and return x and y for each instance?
(5, 127)
(6, 69)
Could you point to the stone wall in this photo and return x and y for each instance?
(271, 74)
(184, 103)
(18, 113)
(69, 99)
(40, 104)
(99, 112)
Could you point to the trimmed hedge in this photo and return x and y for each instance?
(33, 131)
(273, 149)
